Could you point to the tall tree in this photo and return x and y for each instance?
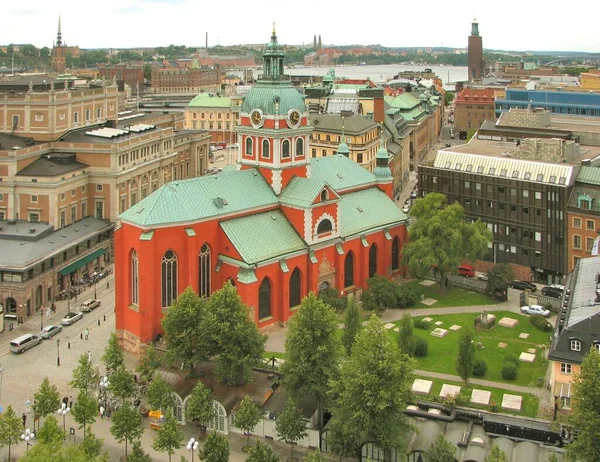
(499, 278)
(216, 448)
(586, 410)
(372, 391)
(57, 452)
(85, 376)
(50, 431)
(465, 360)
(159, 394)
(122, 383)
(352, 324)
(149, 363)
(47, 400)
(84, 411)
(261, 452)
(496, 455)
(240, 344)
(113, 355)
(10, 429)
(441, 451)
(200, 405)
(126, 425)
(289, 424)
(92, 445)
(169, 437)
(138, 454)
(246, 418)
(312, 350)
(441, 237)
(406, 335)
(315, 456)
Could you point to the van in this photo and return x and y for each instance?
(89, 305)
(466, 270)
(25, 342)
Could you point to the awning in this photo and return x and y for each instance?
(82, 261)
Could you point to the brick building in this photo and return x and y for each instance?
(191, 79)
(473, 107)
(124, 75)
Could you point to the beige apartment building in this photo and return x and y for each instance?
(215, 113)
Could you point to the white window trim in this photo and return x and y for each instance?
(575, 345)
(566, 368)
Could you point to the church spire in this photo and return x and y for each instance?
(273, 58)
(59, 35)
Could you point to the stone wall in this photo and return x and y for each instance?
(533, 118)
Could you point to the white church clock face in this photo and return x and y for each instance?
(294, 118)
(256, 118)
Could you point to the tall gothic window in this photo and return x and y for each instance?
(395, 253)
(349, 270)
(299, 147)
(249, 146)
(285, 149)
(295, 288)
(264, 299)
(372, 260)
(266, 149)
(204, 271)
(169, 278)
(135, 289)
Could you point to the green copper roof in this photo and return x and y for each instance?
(403, 101)
(359, 213)
(201, 198)
(301, 192)
(264, 94)
(340, 172)
(343, 149)
(209, 100)
(263, 236)
(590, 175)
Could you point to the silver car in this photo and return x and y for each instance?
(535, 309)
(50, 331)
(71, 318)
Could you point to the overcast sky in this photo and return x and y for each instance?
(508, 25)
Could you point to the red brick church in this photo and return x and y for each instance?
(277, 225)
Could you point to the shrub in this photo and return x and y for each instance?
(405, 296)
(479, 368)
(539, 322)
(509, 371)
(512, 358)
(421, 347)
(333, 298)
(379, 294)
(420, 324)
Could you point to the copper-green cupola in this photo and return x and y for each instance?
(273, 57)
(343, 147)
(382, 170)
(474, 27)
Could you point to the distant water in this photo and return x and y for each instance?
(380, 73)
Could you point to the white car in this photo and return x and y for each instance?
(482, 277)
(89, 305)
(71, 318)
(414, 193)
(535, 309)
(406, 208)
(50, 331)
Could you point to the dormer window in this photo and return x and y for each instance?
(325, 226)
(324, 195)
(597, 346)
(584, 202)
(575, 345)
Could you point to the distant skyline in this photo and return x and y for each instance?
(510, 25)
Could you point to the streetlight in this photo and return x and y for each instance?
(104, 383)
(58, 352)
(63, 411)
(192, 446)
(41, 319)
(27, 436)
(95, 282)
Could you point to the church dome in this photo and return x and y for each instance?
(343, 149)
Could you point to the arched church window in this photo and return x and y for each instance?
(299, 147)
(395, 253)
(266, 149)
(324, 226)
(295, 288)
(169, 278)
(324, 195)
(349, 270)
(248, 150)
(204, 271)
(135, 290)
(372, 260)
(285, 149)
(264, 299)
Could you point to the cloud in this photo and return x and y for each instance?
(22, 12)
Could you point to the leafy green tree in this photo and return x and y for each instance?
(379, 294)
(122, 383)
(406, 335)
(315, 456)
(441, 451)
(312, 350)
(499, 278)
(261, 452)
(160, 395)
(47, 400)
(126, 425)
(148, 364)
(85, 376)
(200, 405)
(10, 429)
(44, 52)
(449, 97)
(246, 418)
(496, 455)
(586, 410)
(28, 50)
(138, 454)
(441, 237)
(84, 411)
(57, 452)
(216, 448)
(50, 431)
(341, 443)
(92, 445)
(240, 344)
(372, 391)
(289, 424)
(465, 360)
(352, 324)
(147, 72)
(552, 457)
(169, 437)
(113, 355)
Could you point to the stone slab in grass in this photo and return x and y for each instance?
(502, 345)
(427, 319)
(531, 350)
(389, 325)
(512, 402)
(481, 397)
(428, 283)
(449, 390)
(438, 332)
(422, 386)
(455, 327)
(428, 301)
(397, 329)
(526, 357)
(438, 323)
(524, 335)
(508, 322)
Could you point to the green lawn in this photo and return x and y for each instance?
(442, 351)
(529, 407)
(453, 297)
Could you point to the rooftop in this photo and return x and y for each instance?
(353, 125)
(102, 134)
(8, 143)
(53, 164)
(210, 100)
(340, 172)
(584, 292)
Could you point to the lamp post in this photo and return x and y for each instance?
(192, 446)
(58, 352)
(68, 294)
(95, 282)
(27, 436)
(63, 411)
(104, 384)
(41, 319)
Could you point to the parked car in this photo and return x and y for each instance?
(523, 285)
(483, 277)
(406, 208)
(414, 193)
(71, 318)
(467, 271)
(50, 331)
(24, 343)
(235, 145)
(552, 292)
(535, 309)
(89, 305)
(557, 287)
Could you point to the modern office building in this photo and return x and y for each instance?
(556, 101)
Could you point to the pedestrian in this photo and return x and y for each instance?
(89, 353)
(71, 402)
(87, 333)
(28, 406)
(66, 401)
(101, 411)
(24, 420)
